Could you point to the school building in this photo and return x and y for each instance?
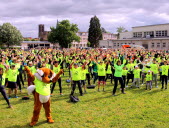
(150, 37)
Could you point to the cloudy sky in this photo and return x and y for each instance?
(27, 14)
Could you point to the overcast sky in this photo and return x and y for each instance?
(27, 14)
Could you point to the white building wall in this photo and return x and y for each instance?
(125, 35)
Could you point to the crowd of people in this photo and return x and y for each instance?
(146, 68)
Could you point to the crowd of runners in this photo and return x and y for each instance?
(145, 68)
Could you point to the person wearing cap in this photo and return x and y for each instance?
(118, 77)
(56, 69)
(149, 80)
(164, 78)
(76, 77)
(12, 79)
(137, 74)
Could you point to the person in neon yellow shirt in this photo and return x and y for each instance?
(109, 72)
(101, 74)
(164, 78)
(83, 77)
(137, 73)
(149, 80)
(76, 77)
(118, 77)
(12, 79)
(56, 69)
(2, 83)
(154, 68)
(124, 75)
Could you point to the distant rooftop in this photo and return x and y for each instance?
(35, 42)
(150, 25)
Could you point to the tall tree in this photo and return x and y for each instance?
(95, 32)
(10, 35)
(103, 30)
(64, 33)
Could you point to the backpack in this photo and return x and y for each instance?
(91, 87)
(74, 99)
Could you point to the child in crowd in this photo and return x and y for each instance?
(149, 80)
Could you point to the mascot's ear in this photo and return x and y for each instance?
(40, 72)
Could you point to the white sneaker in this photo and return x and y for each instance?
(127, 86)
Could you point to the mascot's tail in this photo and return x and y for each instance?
(30, 89)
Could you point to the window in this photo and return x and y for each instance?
(137, 34)
(161, 33)
(151, 33)
(164, 45)
(152, 45)
(114, 44)
(158, 45)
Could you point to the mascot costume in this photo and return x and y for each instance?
(41, 91)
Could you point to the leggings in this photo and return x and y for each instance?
(95, 74)
(74, 87)
(124, 80)
(164, 79)
(18, 82)
(130, 76)
(3, 92)
(88, 78)
(109, 75)
(116, 79)
(60, 86)
(21, 78)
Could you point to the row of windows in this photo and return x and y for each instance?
(158, 45)
(137, 34)
(151, 33)
(161, 33)
(79, 45)
(119, 44)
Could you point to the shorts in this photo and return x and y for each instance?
(101, 78)
(12, 85)
(82, 82)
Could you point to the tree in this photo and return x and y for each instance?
(64, 34)
(95, 32)
(103, 30)
(120, 30)
(9, 35)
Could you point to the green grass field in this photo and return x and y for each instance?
(138, 108)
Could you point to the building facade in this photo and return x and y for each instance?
(150, 37)
(37, 44)
(84, 39)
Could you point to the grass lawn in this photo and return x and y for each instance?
(138, 108)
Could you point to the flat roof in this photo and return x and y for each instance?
(35, 42)
(167, 38)
(150, 25)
